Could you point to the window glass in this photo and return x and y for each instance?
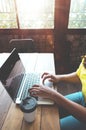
(28, 14)
(77, 15)
(7, 14)
(36, 13)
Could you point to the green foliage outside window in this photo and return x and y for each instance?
(77, 15)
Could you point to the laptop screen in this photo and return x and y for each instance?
(11, 73)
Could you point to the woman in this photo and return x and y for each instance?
(72, 107)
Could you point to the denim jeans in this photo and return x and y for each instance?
(67, 121)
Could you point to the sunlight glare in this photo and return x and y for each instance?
(35, 13)
(30, 5)
(30, 9)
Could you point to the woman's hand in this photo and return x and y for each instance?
(42, 91)
(51, 77)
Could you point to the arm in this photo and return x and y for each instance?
(73, 108)
(72, 77)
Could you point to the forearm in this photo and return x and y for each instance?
(73, 108)
(72, 77)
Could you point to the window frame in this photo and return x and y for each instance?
(49, 31)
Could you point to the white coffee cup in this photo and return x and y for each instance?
(28, 107)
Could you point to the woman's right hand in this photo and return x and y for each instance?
(51, 77)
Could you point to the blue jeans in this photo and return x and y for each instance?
(68, 122)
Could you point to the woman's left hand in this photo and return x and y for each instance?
(42, 91)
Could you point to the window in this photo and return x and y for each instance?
(7, 14)
(27, 14)
(77, 15)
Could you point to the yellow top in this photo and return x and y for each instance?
(81, 72)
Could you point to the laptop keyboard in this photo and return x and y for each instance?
(28, 81)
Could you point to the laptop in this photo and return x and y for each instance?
(17, 82)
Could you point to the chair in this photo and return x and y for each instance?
(22, 45)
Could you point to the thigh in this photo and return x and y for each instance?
(75, 97)
(71, 123)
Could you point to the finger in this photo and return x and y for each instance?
(51, 80)
(44, 74)
(34, 92)
(46, 77)
(33, 87)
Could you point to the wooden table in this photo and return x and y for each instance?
(11, 117)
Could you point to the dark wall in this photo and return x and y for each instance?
(43, 43)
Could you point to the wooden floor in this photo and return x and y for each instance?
(4, 104)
